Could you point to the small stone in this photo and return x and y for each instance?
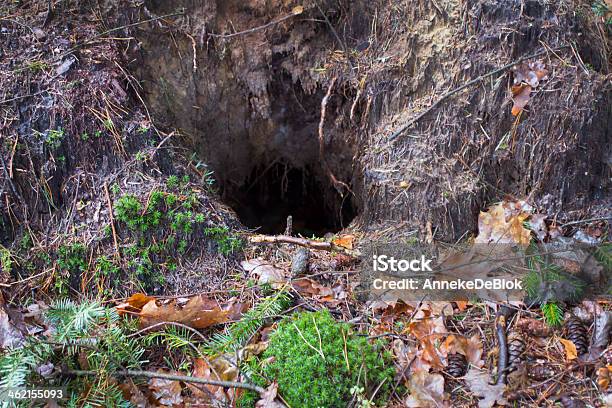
(39, 33)
(65, 66)
(299, 263)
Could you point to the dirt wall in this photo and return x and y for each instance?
(245, 80)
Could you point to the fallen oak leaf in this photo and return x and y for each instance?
(133, 394)
(470, 347)
(201, 369)
(199, 312)
(520, 97)
(344, 241)
(167, 392)
(268, 398)
(311, 287)
(426, 390)
(503, 224)
(427, 327)
(265, 271)
(478, 382)
(134, 303)
(571, 352)
(208, 393)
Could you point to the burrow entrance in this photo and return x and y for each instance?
(272, 192)
(271, 168)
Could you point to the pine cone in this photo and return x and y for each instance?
(516, 348)
(457, 365)
(540, 372)
(568, 401)
(577, 333)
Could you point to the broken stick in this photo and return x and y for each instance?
(308, 243)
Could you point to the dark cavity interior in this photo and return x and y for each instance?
(276, 190)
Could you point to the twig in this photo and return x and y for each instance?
(16, 98)
(112, 220)
(195, 55)
(502, 342)
(254, 29)
(173, 377)
(468, 84)
(308, 243)
(161, 143)
(322, 119)
(8, 285)
(10, 181)
(587, 220)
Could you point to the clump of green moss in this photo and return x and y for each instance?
(319, 362)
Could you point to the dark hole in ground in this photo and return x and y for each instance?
(273, 192)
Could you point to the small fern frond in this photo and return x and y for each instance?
(15, 368)
(603, 255)
(553, 314)
(73, 320)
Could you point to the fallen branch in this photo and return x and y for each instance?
(173, 377)
(468, 84)
(607, 218)
(307, 243)
(503, 315)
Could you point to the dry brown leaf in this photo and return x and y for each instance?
(310, 287)
(133, 394)
(478, 382)
(253, 349)
(225, 366)
(265, 272)
(503, 224)
(520, 97)
(428, 355)
(167, 392)
(604, 375)
(10, 336)
(344, 241)
(268, 398)
(201, 369)
(426, 390)
(134, 303)
(470, 347)
(199, 312)
(428, 331)
(427, 328)
(570, 349)
(206, 393)
(526, 77)
(538, 225)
